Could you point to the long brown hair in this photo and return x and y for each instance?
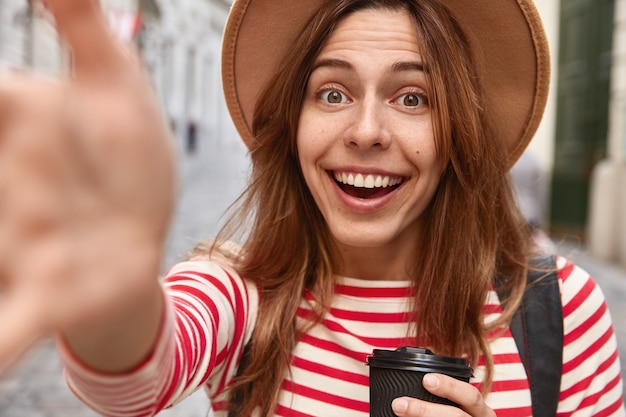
(473, 234)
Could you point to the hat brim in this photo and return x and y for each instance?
(507, 38)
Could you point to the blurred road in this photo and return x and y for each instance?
(35, 387)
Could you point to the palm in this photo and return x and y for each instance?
(86, 186)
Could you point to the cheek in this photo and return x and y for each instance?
(302, 139)
(419, 147)
(432, 169)
(311, 140)
(306, 154)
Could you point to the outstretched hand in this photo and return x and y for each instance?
(86, 194)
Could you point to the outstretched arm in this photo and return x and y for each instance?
(86, 194)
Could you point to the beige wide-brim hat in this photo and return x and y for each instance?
(507, 37)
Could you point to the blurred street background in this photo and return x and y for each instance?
(571, 180)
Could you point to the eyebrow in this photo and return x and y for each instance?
(408, 66)
(333, 63)
(396, 67)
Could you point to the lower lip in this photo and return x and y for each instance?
(363, 205)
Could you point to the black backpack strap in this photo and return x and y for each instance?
(537, 328)
(236, 398)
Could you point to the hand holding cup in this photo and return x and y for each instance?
(400, 373)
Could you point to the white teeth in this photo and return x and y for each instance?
(367, 180)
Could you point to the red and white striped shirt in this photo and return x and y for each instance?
(211, 313)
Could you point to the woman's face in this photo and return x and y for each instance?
(365, 136)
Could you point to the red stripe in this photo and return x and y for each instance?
(326, 397)
(198, 336)
(185, 307)
(184, 339)
(370, 318)
(132, 400)
(611, 409)
(589, 352)
(235, 301)
(584, 384)
(328, 371)
(510, 385)
(586, 325)
(498, 332)
(492, 309)
(240, 316)
(385, 292)
(221, 356)
(196, 276)
(593, 399)
(580, 298)
(200, 332)
(335, 327)
(515, 412)
(174, 377)
(565, 272)
(219, 405)
(501, 358)
(333, 347)
(287, 412)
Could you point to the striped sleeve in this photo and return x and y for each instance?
(209, 315)
(591, 384)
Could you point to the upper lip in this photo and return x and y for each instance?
(366, 178)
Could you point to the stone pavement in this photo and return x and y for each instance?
(35, 386)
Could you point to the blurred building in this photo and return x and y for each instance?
(581, 143)
(27, 39)
(179, 42)
(607, 209)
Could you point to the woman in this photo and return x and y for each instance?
(380, 133)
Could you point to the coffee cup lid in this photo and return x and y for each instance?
(420, 360)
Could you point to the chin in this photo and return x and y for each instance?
(362, 240)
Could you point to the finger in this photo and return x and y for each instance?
(412, 407)
(467, 396)
(83, 25)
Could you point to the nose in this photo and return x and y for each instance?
(369, 129)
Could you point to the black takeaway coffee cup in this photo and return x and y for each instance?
(399, 373)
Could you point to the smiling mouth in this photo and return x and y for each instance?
(366, 186)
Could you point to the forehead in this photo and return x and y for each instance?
(375, 28)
